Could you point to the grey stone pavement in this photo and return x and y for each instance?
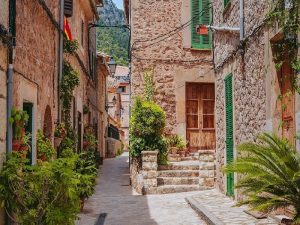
(114, 196)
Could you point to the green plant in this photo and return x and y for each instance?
(119, 151)
(176, 141)
(18, 119)
(149, 85)
(69, 81)
(26, 140)
(70, 47)
(86, 109)
(40, 194)
(270, 169)
(147, 125)
(45, 148)
(60, 130)
(86, 172)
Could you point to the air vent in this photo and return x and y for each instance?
(68, 8)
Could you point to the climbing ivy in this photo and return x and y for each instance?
(286, 14)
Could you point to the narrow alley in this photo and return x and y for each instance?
(114, 196)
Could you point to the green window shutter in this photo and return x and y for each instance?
(195, 14)
(226, 2)
(201, 14)
(229, 131)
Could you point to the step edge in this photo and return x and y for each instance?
(203, 212)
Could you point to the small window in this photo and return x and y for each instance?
(122, 89)
(68, 8)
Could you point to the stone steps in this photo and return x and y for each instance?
(166, 189)
(177, 180)
(178, 173)
(189, 158)
(178, 167)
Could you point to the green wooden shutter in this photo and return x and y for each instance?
(226, 2)
(195, 14)
(201, 14)
(205, 18)
(229, 131)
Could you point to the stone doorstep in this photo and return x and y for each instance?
(178, 167)
(178, 173)
(177, 180)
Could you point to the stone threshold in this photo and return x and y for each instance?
(218, 209)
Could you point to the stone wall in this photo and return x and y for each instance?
(113, 146)
(151, 19)
(207, 169)
(255, 94)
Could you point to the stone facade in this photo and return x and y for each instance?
(207, 169)
(173, 60)
(255, 81)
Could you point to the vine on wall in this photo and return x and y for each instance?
(286, 14)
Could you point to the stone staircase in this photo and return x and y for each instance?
(177, 177)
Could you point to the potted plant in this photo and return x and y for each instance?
(45, 148)
(18, 120)
(25, 145)
(181, 146)
(59, 134)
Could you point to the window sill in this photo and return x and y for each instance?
(200, 49)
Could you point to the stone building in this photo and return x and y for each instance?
(4, 23)
(123, 80)
(248, 84)
(165, 42)
(36, 68)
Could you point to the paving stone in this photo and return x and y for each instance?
(218, 209)
(114, 196)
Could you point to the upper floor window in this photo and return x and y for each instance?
(201, 14)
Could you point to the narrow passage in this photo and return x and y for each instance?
(114, 196)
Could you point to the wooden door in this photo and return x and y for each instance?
(200, 116)
(288, 102)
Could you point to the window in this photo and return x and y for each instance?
(201, 14)
(68, 8)
(226, 3)
(122, 89)
(82, 33)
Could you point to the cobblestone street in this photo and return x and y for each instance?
(114, 196)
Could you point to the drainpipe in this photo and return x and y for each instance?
(60, 57)
(241, 20)
(10, 71)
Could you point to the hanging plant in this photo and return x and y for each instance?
(70, 47)
(69, 81)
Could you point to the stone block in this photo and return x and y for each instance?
(150, 183)
(149, 174)
(149, 166)
(209, 182)
(206, 166)
(204, 173)
(149, 156)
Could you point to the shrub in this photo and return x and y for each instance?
(147, 122)
(45, 148)
(271, 174)
(176, 141)
(41, 194)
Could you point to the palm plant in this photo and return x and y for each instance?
(270, 169)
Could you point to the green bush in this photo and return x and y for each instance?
(40, 194)
(271, 174)
(45, 149)
(176, 141)
(147, 122)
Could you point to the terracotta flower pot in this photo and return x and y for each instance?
(24, 148)
(57, 141)
(43, 158)
(16, 144)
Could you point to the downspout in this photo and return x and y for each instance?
(241, 20)
(60, 57)
(10, 71)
